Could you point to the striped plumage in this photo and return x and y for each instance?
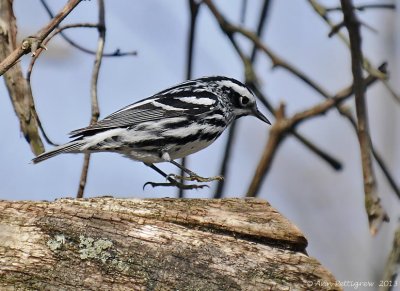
(171, 124)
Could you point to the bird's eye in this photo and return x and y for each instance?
(244, 100)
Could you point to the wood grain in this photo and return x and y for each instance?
(154, 244)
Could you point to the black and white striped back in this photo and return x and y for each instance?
(171, 124)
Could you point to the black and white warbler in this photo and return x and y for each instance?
(169, 125)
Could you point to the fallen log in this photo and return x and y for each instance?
(154, 244)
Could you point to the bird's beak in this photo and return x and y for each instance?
(260, 116)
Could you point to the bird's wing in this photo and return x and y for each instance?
(169, 104)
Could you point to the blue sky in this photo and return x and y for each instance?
(326, 205)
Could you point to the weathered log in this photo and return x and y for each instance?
(154, 244)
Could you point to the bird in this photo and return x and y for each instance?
(169, 125)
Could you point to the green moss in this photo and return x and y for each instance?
(102, 250)
(90, 248)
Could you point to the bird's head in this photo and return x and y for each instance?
(241, 97)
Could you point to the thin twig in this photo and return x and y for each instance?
(39, 52)
(243, 12)
(93, 91)
(322, 12)
(45, 136)
(19, 91)
(83, 178)
(375, 211)
(392, 92)
(386, 171)
(285, 125)
(333, 162)
(219, 193)
(260, 27)
(229, 29)
(29, 120)
(116, 53)
(251, 79)
(276, 136)
(277, 61)
(50, 37)
(232, 129)
(337, 27)
(194, 9)
(391, 272)
(32, 43)
(364, 7)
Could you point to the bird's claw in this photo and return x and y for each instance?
(195, 177)
(175, 184)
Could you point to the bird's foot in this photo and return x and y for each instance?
(194, 177)
(175, 184)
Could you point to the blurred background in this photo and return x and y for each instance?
(327, 205)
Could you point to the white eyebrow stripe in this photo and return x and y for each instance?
(240, 89)
(199, 101)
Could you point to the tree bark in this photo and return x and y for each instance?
(155, 244)
(18, 87)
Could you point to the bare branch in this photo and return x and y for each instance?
(386, 171)
(365, 7)
(336, 28)
(251, 80)
(333, 162)
(276, 135)
(232, 129)
(375, 211)
(116, 53)
(18, 88)
(229, 29)
(243, 11)
(392, 92)
(260, 27)
(32, 43)
(285, 125)
(36, 56)
(50, 37)
(322, 12)
(194, 9)
(93, 91)
(219, 193)
(391, 273)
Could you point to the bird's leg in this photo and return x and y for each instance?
(192, 175)
(171, 181)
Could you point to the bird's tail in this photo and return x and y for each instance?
(70, 147)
